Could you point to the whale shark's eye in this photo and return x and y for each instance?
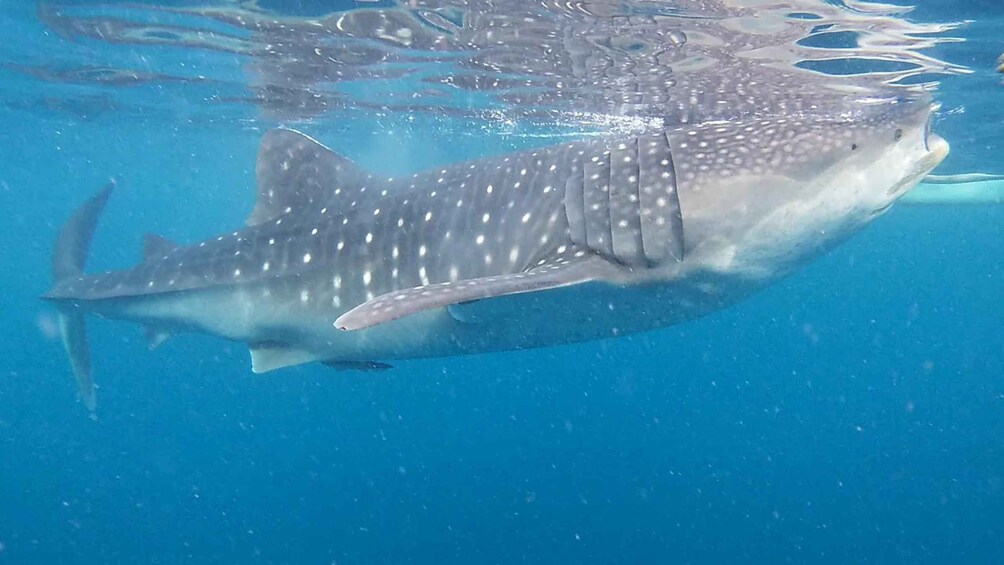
(898, 135)
(854, 147)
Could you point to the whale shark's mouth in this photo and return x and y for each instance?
(927, 132)
(937, 150)
(882, 209)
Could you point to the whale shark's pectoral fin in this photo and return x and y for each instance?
(393, 305)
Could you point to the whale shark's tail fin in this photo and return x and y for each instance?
(68, 258)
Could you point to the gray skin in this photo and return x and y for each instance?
(562, 244)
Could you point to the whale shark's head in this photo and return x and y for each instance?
(889, 153)
(759, 196)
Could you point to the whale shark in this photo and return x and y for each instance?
(585, 240)
(690, 153)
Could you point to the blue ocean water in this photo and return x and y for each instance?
(853, 412)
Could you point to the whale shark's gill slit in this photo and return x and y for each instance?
(574, 207)
(659, 201)
(596, 198)
(625, 221)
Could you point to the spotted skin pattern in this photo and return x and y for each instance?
(595, 238)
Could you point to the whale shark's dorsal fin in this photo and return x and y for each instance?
(295, 173)
(157, 246)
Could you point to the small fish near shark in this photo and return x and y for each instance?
(579, 241)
